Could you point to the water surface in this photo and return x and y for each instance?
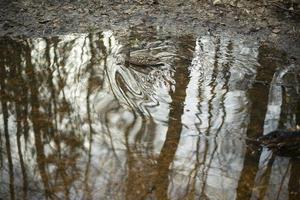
(81, 119)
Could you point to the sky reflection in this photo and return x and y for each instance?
(80, 119)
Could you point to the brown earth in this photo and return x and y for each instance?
(274, 21)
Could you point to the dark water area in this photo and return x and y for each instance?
(144, 115)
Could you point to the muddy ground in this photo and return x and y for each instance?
(274, 21)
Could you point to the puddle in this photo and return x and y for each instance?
(143, 115)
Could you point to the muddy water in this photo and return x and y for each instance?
(143, 115)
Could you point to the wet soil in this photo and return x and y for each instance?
(276, 21)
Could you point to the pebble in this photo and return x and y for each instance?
(276, 30)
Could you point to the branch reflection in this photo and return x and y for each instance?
(134, 115)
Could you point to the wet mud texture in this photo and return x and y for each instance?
(276, 21)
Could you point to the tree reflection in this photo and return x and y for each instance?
(258, 96)
(5, 114)
(30, 81)
(81, 122)
(171, 142)
(273, 169)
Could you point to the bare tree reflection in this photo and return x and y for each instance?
(38, 120)
(20, 102)
(294, 185)
(258, 96)
(273, 170)
(173, 134)
(294, 179)
(90, 125)
(5, 112)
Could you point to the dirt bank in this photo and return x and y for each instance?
(275, 21)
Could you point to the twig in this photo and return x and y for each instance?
(283, 8)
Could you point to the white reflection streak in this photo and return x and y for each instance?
(208, 107)
(226, 163)
(189, 120)
(110, 169)
(271, 122)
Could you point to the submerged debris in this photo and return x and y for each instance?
(282, 142)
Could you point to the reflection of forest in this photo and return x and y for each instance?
(78, 123)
